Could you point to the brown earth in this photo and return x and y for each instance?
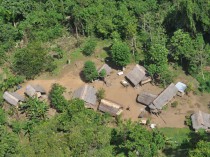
(170, 117)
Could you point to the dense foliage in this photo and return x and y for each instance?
(90, 72)
(56, 97)
(156, 33)
(32, 60)
(120, 53)
(89, 47)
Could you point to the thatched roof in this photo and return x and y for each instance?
(107, 68)
(146, 98)
(18, 96)
(110, 107)
(136, 75)
(86, 93)
(200, 120)
(12, 98)
(164, 97)
(32, 90)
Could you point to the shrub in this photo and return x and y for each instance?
(100, 94)
(174, 104)
(89, 47)
(102, 73)
(188, 121)
(89, 71)
(56, 97)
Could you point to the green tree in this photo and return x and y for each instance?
(120, 53)
(57, 100)
(32, 60)
(102, 73)
(100, 94)
(131, 139)
(89, 47)
(35, 109)
(202, 149)
(8, 143)
(181, 45)
(89, 71)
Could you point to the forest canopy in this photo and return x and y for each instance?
(159, 34)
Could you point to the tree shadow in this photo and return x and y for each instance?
(82, 77)
(188, 144)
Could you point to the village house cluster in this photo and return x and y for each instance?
(137, 77)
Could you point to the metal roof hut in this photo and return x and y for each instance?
(163, 98)
(13, 98)
(34, 90)
(110, 107)
(88, 94)
(200, 120)
(136, 75)
(146, 98)
(107, 68)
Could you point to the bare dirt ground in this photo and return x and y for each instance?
(170, 117)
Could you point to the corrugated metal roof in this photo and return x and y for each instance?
(181, 87)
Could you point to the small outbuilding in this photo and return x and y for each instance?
(163, 98)
(88, 94)
(181, 88)
(13, 98)
(107, 68)
(136, 75)
(200, 120)
(146, 98)
(35, 90)
(110, 107)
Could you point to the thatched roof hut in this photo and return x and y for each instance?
(146, 98)
(107, 68)
(88, 94)
(110, 107)
(33, 90)
(200, 120)
(164, 97)
(13, 98)
(136, 75)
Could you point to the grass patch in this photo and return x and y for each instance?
(175, 138)
(76, 55)
(176, 134)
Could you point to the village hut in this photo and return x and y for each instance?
(146, 98)
(35, 90)
(136, 75)
(107, 68)
(200, 120)
(13, 98)
(163, 98)
(110, 107)
(88, 94)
